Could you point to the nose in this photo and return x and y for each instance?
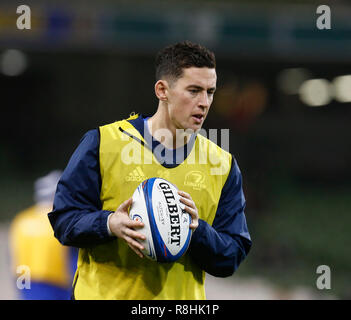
(204, 100)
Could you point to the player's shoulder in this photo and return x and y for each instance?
(119, 122)
(116, 125)
(110, 124)
(94, 134)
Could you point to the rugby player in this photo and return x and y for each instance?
(94, 192)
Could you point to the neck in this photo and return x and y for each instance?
(163, 129)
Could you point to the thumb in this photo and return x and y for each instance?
(125, 205)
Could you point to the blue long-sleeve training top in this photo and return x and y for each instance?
(78, 219)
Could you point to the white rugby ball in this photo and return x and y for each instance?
(166, 224)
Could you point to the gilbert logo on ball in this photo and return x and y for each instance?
(166, 224)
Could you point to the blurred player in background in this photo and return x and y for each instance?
(33, 245)
(94, 193)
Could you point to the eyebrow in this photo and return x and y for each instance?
(201, 88)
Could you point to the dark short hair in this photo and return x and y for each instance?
(171, 60)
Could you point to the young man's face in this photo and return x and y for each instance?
(190, 97)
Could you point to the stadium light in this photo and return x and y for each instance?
(342, 88)
(290, 80)
(316, 92)
(13, 62)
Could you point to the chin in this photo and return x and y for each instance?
(195, 127)
(191, 126)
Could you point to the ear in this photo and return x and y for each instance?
(161, 88)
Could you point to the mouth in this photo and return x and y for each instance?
(198, 118)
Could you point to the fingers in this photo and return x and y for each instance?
(131, 236)
(188, 202)
(184, 194)
(132, 242)
(123, 208)
(134, 224)
(186, 199)
(194, 223)
(190, 208)
(123, 227)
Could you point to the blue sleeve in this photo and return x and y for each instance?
(77, 217)
(219, 249)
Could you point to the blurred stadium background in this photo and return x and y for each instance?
(284, 90)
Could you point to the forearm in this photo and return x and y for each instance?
(221, 247)
(80, 228)
(217, 253)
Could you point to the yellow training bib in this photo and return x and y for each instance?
(113, 270)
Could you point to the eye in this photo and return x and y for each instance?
(193, 91)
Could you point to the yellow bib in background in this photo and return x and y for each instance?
(33, 245)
